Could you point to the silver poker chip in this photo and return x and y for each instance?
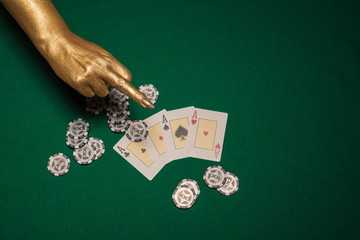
(150, 91)
(136, 131)
(118, 127)
(192, 184)
(78, 129)
(117, 97)
(230, 186)
(98, 146)
(123, 117)
(84, 155)
(58, 164)
(183, 197)
(75, 143)
(214, 176)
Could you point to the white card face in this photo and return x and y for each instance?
(138, 155)
(178, 122)
(206, 134)
(156, 141)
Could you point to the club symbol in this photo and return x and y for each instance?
(143, 150)
(126, 154)
(181, 133)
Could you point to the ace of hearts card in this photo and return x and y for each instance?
(206, 134)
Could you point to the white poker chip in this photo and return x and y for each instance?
(214, 176)
(75, 143)
(78, 129)
(183, 197)
(150, 91)
(116, 97)
(58, 164)
(230, 186)
(136, 131)
(84, 155)
(123, 117)
(192, 184)
(98, 146)
(118, 127)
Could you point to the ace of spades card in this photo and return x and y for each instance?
(177, 124)
(206, 134)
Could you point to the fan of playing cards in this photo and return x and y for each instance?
(150, 144)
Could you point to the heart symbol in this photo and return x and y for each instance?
(206, 133)
(161, 138)
(193, 121)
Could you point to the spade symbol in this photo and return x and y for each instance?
(181, 133)
(143, 150)
(126, 154)
(166, 127)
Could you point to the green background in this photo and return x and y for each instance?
(288, 74)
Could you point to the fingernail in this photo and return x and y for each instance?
(146, 103)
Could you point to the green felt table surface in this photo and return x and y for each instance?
(286, 72)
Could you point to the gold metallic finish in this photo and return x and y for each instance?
(83, 65)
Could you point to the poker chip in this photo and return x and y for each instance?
(116, 97)
(95, 104)
(192, 184)
(136, 131)
(214, 176)
(118, 127)
(58, 164)
(150, 92)
(98, 146)
(75, 143)
(84, 155)
(230, 186)
(117, 110)
(183, 197)
(78, 129)
(125, 115)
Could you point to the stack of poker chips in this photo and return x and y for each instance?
(116, 106)
(86, 149)
(215, 177)
(186, 193)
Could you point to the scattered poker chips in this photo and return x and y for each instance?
(136, 131)
(58, 164)
(85, 149)
(226, 183)
(150, 92)
(116, 105)
(215, 177)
